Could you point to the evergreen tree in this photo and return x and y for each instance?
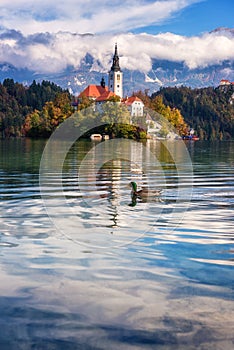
(18, 104)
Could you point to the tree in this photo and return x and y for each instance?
(84, 102)
(207, 110)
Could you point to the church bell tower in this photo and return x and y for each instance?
(116, 76)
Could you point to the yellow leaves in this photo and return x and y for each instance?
(42, 123)
(173, 115)
(84, 102)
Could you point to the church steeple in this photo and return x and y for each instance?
(103, 84)
(116, 76)
(115, 65)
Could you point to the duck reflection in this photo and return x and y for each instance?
(134, 201)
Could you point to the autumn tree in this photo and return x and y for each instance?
(43, 123)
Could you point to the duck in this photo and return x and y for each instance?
(144, 192)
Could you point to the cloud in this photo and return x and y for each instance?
(53, 53)
(83, 16)
(44, 37)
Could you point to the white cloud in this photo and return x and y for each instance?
(82, 16)
(42, 38)
(51, 53)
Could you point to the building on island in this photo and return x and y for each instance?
(93, 91)
(115, 82)
(135, 106)
(101, 93)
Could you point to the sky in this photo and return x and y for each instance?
(45, 35)
(198, 17)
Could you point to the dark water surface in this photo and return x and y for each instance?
(110, 272)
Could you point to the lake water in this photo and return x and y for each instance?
(85, 266)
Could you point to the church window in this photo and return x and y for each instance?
(118, 76)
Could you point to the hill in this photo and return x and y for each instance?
(17, 102)
(38, 109)
(210, 111)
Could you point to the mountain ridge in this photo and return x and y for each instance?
(163, 72)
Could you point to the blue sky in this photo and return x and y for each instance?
(200, 17)
(45, 35)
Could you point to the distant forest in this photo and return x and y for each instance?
(35, 111)
(207, 110)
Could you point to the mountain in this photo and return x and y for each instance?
(163, 73)
(90, 71)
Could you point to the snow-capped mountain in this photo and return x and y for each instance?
(163, 72)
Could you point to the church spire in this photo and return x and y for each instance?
(115, 83)
(103, 84)
(115, 65)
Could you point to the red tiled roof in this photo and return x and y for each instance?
(93, 91)
(132, 99)
(226, 82)
(105, 96)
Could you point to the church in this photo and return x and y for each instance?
(101, 93)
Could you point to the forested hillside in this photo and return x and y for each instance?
(32, 111)
(207, 110)
(35, 111)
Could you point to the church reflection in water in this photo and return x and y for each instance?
(105, 173)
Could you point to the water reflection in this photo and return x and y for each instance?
(108, 182)
(170, 288)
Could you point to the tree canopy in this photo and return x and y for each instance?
(32, 111)
(208, 110)
(35, 111)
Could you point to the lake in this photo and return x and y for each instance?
(86, 266)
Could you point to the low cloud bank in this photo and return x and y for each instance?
(54, 52)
